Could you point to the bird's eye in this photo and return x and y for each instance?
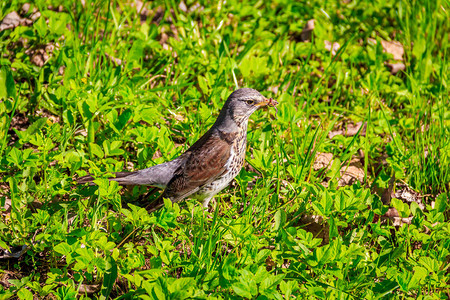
(250, 102)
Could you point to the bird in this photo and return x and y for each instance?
(211, 163)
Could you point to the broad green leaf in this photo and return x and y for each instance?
(241, 290)
(15, 157)
(441, 203)
(41, 27)
(96, 150)
(25, 294)
(7, 85)
(63, 248)
(109, 278)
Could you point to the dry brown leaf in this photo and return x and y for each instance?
(394, 216)
(395, 68)
(25, 8)
(352, 129)
(351, 174)
(13, 20)
(6, 209)
(323, 160)
(406, 194)
(89, 288)
(39, 58)
(334, 133)
(182, 6)
(401, 221)
(394, 48)
(392, 213)
(333, 47)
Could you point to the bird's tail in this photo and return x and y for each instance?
(157, 176)
(123, 178)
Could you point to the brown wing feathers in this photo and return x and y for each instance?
(205, 163)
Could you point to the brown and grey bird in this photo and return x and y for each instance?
(210, 164)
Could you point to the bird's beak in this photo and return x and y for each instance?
(267, 102)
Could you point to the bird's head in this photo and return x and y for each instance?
(242, 103)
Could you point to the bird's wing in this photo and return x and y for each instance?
(203, 164)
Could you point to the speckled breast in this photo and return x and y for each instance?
(234, 166)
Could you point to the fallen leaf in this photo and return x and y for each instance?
(141, 9)
(333, 47)
(89, 288)
(393, 215)
(182, 6)
(39, 59)
(352, 129)
(394, 48)
(397, 67)
(323, 160)
(13, 20)
(351, 174)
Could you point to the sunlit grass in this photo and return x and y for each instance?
(125, 87)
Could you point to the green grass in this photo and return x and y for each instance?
(126, 89)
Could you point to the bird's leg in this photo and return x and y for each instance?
(144, 197)
(205, 208)
(206, 202)
(155, 205)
